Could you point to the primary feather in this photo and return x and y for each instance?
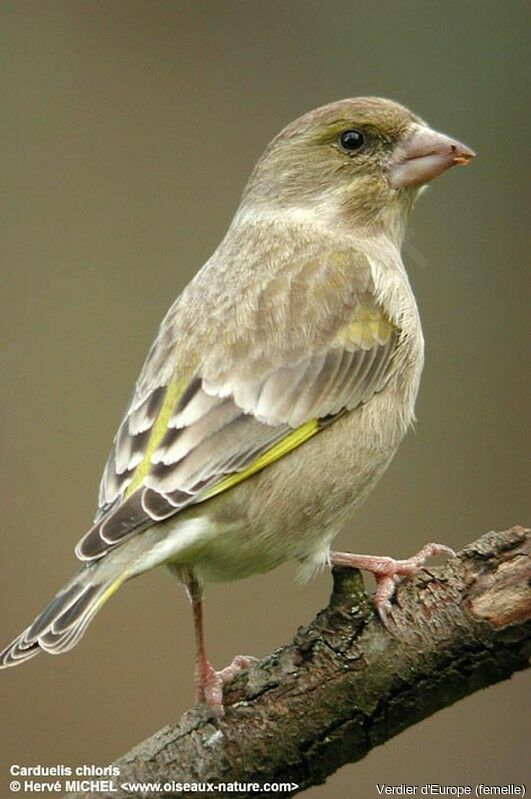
(323, 349)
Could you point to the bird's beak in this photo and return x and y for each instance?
(423, 155)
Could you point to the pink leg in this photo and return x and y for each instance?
(209, 682)
(388, 571)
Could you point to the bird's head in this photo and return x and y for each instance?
(362, 161)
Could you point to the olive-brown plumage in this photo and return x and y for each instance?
(280, 383)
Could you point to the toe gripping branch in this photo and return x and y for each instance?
(388, 572)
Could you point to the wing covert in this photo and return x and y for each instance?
(244, 407)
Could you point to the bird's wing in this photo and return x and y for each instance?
(306, 347)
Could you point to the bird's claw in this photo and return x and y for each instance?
(388, 572)
(211, 682)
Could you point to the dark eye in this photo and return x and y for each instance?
(352, 140)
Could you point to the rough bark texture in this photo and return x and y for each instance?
(346, 684)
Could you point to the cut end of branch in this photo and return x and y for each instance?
(502, 596)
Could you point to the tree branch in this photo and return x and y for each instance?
(346, 685)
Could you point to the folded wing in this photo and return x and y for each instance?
(242, 408)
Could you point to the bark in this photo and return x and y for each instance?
(346, 684)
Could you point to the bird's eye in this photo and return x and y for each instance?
(351, 140)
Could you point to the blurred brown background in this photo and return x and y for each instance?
(129, 130)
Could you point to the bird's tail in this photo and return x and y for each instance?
(62, 623)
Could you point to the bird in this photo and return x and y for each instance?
(279, 386)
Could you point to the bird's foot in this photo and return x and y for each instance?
(210, 682)
(388, 571)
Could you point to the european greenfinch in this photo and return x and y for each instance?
(280, 383)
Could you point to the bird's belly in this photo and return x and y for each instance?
(293, 508)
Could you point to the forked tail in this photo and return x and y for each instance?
(60, 626)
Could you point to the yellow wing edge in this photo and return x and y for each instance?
(174, 390)
(277, 451)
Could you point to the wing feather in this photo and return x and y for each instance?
(208, 427)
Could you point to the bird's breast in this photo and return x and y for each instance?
(294, 507)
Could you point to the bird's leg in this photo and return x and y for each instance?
(203, 667)
(209, 682)
(388, 571)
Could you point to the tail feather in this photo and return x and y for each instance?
(62, 623)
